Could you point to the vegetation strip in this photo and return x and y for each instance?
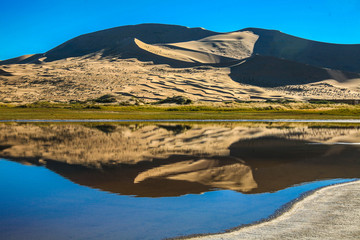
(184, 120)
(169, 112)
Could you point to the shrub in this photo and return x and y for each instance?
(106, 128)
(107, 98)
(181, 100)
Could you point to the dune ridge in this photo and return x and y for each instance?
(237, 45)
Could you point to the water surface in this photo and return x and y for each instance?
(156, 181)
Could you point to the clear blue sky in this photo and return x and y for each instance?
(35, 26)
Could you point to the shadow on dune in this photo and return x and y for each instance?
(5, 73)
(110, 39)
(345, 57)
(267, 71)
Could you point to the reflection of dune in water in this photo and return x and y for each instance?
(173, 160)
(77, 144)
(99, 145)
(236, 176)
(278, 163)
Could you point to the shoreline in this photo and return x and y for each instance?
(262, 228)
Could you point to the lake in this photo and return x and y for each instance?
(155, 181)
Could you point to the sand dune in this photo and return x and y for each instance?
(91, 77)
(241, 44)
(109, 39)
(150, 62)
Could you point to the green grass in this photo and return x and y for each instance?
(44, 110)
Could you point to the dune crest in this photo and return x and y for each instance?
(185, 55)
(237, 45)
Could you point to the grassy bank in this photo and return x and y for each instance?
(233, 111)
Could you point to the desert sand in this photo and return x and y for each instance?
(149, 62)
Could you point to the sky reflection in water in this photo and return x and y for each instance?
(40, 204)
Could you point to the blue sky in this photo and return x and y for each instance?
(38, 25)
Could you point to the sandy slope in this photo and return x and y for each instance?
(109, 40)
(185, 55)
(83, 79)
(89, 78)
(236, 45)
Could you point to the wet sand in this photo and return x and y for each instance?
(330, 213)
